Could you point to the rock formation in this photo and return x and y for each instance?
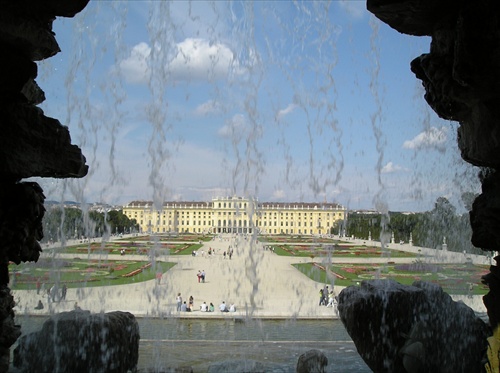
(461, 76)
(312, 361)
(31, 143)
(74, 342)
(416, 328)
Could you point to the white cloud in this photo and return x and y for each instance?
(135, 67)
(283, 112)
(432, 138)
(209, 107)
(391, 168)
(198, 59)
(193, 59)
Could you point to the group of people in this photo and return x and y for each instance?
(229, 253)
(223, 307)
(54, 294)
(327, 297)
(182, 306)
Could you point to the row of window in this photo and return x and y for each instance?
(237, 230)
(264, 214)
(235, 223)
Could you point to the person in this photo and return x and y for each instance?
(64, 290)
(199, 276)
(179, 301)
(158, 277)
(224, 255)
(191, 302)
(211, 308)
(53, 294)
(222, 307)
(321, 297)
(331, 299)
(232, 308)
(184, 307)
(203, 276)
(39, 306)
(203, 307)
(77, 307)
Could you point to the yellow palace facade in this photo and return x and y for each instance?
(237, 215)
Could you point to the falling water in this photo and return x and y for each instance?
(271, 112)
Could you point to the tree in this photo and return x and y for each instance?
(119, 222)
(71, 222)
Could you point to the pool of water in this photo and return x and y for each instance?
(174, 342)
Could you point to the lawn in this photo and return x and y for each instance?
(132, 248)
(299, 239)
(83, 273)
(355, 251)
(172, 238)
(78, 272)
(453, 278)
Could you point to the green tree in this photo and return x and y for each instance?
(361, 225)
(119, 222)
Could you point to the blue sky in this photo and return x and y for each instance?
(307, 101)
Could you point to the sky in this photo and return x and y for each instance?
(279, 101)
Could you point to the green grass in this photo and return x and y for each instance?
(187, 249)
(78, 272)
(83, 273)
(353, 251)
(131, 248)
(299, 239)
(453, 278)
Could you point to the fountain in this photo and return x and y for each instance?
(24, 141)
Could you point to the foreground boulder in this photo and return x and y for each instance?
(416, 328)
(79, 341)
(312, 361)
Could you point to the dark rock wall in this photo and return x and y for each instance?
(31, 144)
(460, 74)
(416, 328)
(461, 77)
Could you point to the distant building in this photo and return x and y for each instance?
(236, 215)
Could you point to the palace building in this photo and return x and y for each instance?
(237, 215)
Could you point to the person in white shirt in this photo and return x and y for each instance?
(232, 308)
(332, 302)
(223, 307)
(179, 301)
(203, 307)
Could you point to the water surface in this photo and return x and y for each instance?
(174, 342)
